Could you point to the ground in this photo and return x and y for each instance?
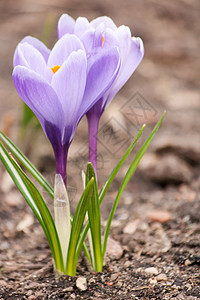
(156, 229)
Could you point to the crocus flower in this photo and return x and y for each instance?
(98, 36)
(60, 87)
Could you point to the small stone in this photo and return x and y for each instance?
(128, 263)
(188, 262)
(91, 280)
(152, 281)
(114, 276)
(2, 283)
(114, 249)
(68, 289)
(32, 297)
(160, 216)
(151, 271)
(29, 293)
(81, 283)
(120, 283)
(131, 227)
(161, 277)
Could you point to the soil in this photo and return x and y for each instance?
(156, 229)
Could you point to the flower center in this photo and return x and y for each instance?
(55, 69)
(103, 40)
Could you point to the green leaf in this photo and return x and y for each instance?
(36, 202)
(127, 177)
(118, 166)
(32, 169)
(26, 163)
(109, 181)
(79, 216)
(94, 215)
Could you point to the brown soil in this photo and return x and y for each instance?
(157, 224)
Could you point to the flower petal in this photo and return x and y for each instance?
(37, 44)
(97, 42)
(65, 25)
(108, 22)
(69, 83)
(41, 98)
(81, 26)
(28, 56)
(100, 77)
(63, 48)
(131, 54)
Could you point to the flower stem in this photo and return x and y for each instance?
(61, 162)
(93, 125)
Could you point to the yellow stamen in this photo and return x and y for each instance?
(55, 69)
(103, 39)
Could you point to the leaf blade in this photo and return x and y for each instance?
(26, 163)
(113, 174)
(72, 256)
(36, 202)
(94, 215)
(127, 177)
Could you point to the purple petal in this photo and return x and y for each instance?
(63, 48)
(108, 22)
(97, 42)
(28, 56)
(81, 26)
(100, 77)
(65, 25)
(37, 44)
(40, 97)
(131, 54)
(69, 83)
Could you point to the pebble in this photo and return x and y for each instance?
(152, 281)
(160, 216)
(114, 249)
(92, 280)
(68, 289)
(114, 276)
(131, 227)
(81, 283)
(32, 297)
(119, 284)
(151, 271)
(29, 293)
(161, 277)
(188, 262)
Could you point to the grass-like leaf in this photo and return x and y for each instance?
(77, 224)
(26, 163)
(127, 177)
(33, 171)
(94, 215)
(36, 202)
(110, 179)
(118, 166)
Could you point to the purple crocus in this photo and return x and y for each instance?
(98, 36)
(60, 86)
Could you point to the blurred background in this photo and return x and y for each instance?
(168, 78)
(157, 220)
